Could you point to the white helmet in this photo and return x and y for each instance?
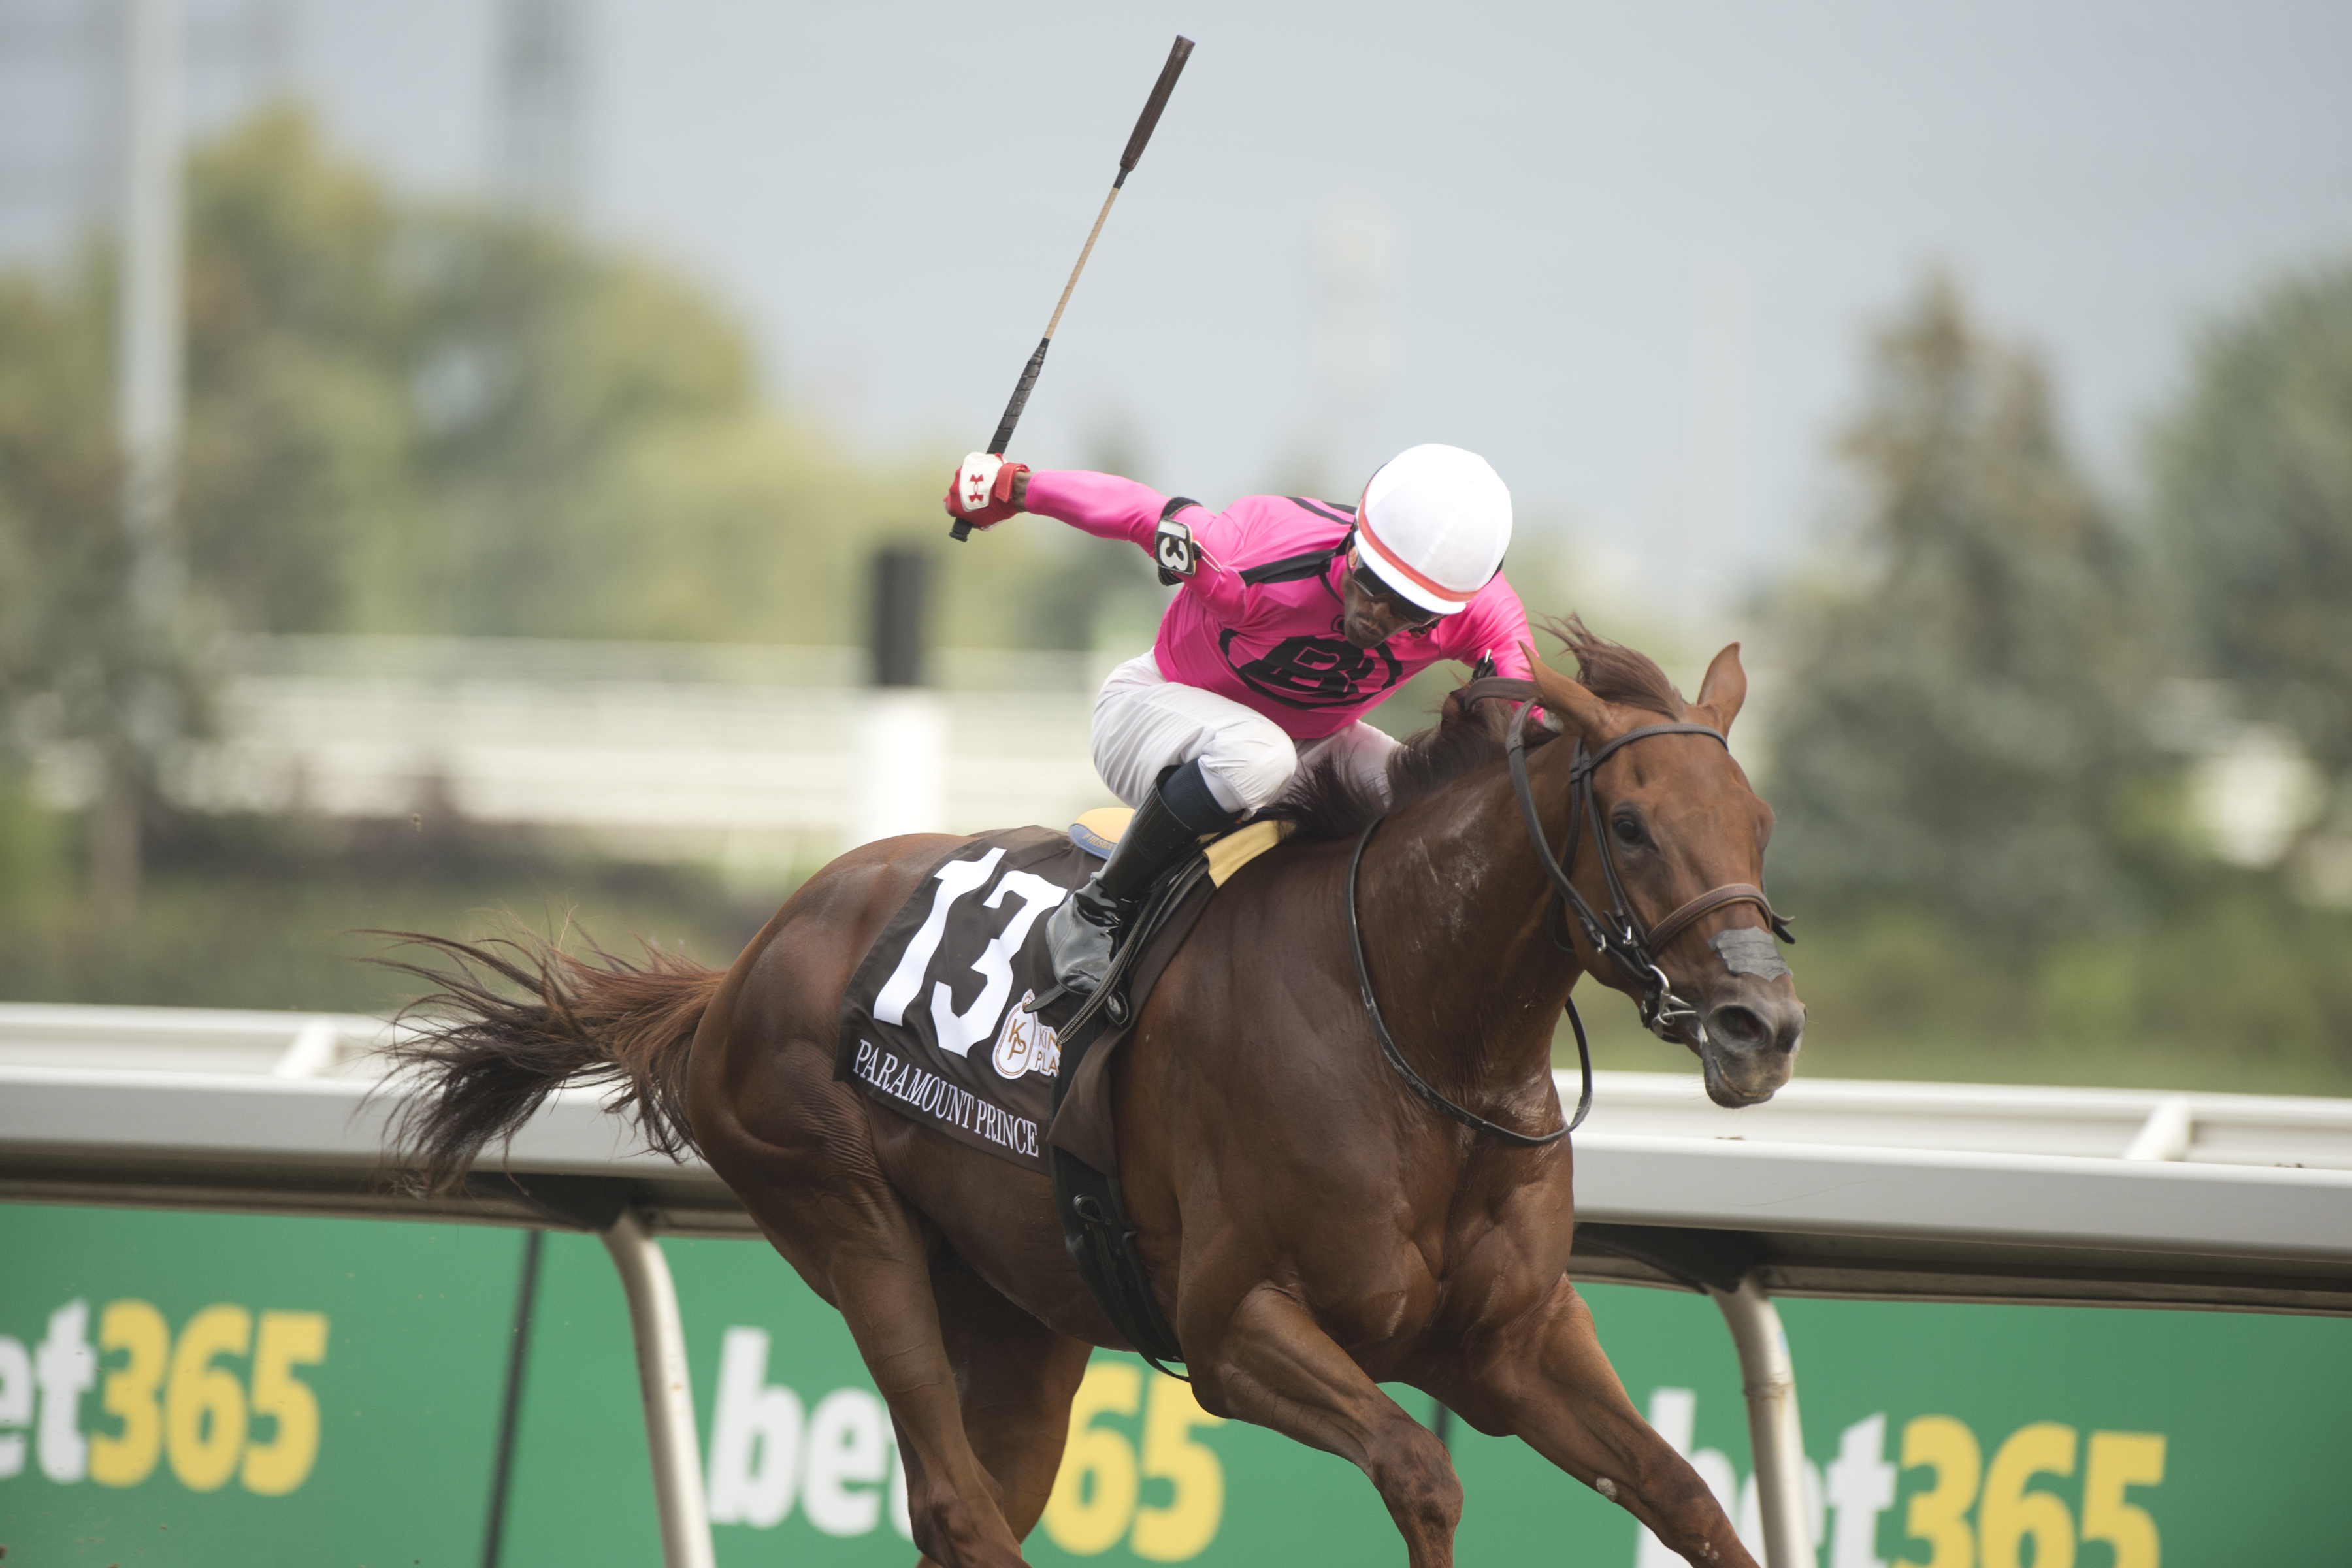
(1433, 525)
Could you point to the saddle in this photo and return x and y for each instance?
(953, 1020)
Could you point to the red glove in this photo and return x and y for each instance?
(981, 493)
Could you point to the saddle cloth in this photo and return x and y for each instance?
(932, 1024)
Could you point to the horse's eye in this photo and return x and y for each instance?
(1629, 832)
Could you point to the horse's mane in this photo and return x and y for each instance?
(1328, 801)
(1618, 675)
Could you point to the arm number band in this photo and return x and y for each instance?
(1172, 546)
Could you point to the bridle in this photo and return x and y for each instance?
(1620, 935)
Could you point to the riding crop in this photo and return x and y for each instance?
(1177, 56)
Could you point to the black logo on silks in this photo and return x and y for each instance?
(1316, 671)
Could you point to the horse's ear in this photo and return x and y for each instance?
(1725, 688)
(1568, 700)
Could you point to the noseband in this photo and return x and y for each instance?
(1620, 934)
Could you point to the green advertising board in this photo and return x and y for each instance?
(205, 1390)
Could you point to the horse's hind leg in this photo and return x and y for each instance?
(1273, 1365)
(1545, 1378)
(795, 1148)
(1016, 1378)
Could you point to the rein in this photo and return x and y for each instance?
(1422, 1085)
(1620, 935)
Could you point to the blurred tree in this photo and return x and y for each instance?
(543, 371)
(299, 424)
(84, 672)
(1965, 716)
(2254, 490)
(409, 416)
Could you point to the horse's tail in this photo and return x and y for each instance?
(475, 1062)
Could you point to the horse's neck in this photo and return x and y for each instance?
(1455, 895)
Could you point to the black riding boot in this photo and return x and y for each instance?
(1168, 826)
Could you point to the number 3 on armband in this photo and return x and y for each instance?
(1173, 548)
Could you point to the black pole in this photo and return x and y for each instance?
(511, 1412)
(900, 576)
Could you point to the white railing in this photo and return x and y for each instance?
(2275, 1130)
(1853, 1189)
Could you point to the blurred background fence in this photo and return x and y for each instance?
(759, 759)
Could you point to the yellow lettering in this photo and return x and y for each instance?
(204, 1405)
(1094, 1491)
(2117, 1459)
(1185, 1527)
(2009, 1512)
(286, 1341)
(1939, 1516)
(127, 1458)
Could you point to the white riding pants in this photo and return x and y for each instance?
(1144, 722)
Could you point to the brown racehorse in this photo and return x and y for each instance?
(1312, 1226)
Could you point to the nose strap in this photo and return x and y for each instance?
(1706, 903)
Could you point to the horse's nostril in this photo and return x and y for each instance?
(1739, 1027)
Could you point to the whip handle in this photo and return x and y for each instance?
(1003, 436)
(1149, 120)
(960, 530)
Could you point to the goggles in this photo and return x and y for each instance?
(1369, 583)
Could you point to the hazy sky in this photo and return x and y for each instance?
(1636, 248)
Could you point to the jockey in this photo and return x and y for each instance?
(1295, 617)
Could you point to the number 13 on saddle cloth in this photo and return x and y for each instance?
(934, 1023)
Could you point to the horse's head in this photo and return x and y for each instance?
(1676, 818)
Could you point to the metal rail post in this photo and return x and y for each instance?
(660, 1338)
(1774, 1434)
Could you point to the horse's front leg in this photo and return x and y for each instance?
(1543, 1377)
(1268, 1362)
